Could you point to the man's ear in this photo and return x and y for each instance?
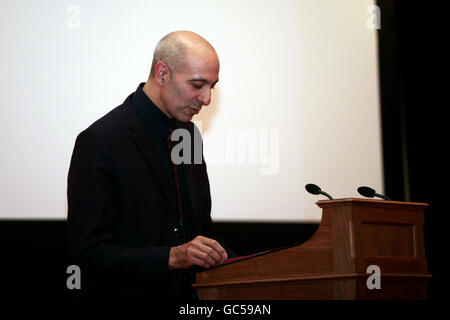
(162, 73)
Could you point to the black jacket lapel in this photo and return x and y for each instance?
(142, 138)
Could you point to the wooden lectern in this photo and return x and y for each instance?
(353, 235)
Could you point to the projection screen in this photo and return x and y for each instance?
(297, 101)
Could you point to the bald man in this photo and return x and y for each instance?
(138, 223)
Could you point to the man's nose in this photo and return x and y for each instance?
(205, 97)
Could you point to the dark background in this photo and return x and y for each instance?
(34, 254)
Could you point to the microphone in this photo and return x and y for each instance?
(370, 193)
(313, 189)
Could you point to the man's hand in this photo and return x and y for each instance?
(201, 251)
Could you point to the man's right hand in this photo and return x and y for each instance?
(201, 251)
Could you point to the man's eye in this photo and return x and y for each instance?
(197, 86)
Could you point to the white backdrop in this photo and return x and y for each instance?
(297, 100)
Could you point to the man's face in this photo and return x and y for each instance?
(189, 88)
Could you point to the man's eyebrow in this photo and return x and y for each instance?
(201, 80)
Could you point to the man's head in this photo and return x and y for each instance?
(185, 68)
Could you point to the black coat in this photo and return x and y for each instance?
(118, 198)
